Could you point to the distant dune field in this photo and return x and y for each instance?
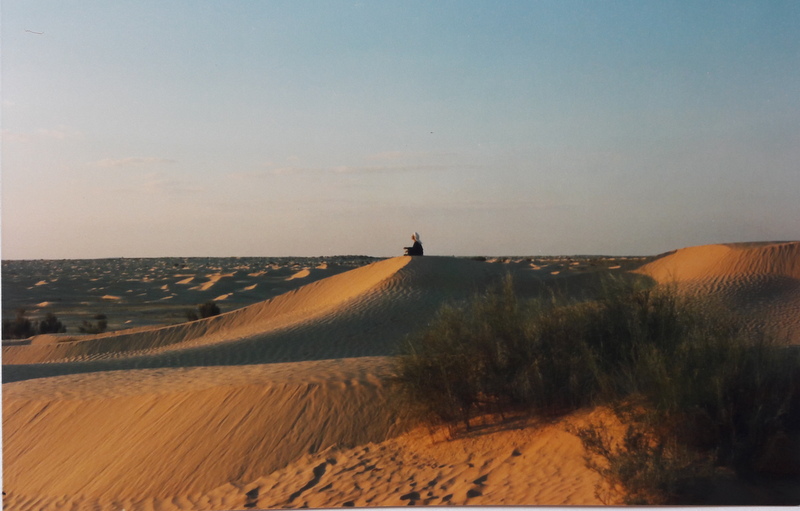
(286, 402)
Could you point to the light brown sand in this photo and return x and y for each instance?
(285, 403)
(761, 281)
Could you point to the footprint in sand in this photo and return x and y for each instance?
(318, 471)
(473, 493)
(252, 498)
(412, 497)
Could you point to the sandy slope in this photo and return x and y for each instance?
(197, 421)
(285, 403)
(761, 281)
(513, 463)
(362, 312)
(164, 433)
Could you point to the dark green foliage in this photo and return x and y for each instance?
(645, 468)
(205, 310)
(208, 309)
(88, 327)
(704, 384)
(20, 328)
(51, 325)
(496, 353)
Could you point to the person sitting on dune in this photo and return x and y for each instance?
(416, 250)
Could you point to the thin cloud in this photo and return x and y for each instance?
(133, 162)
(268, 170)
(170, 187)
(388, 156)
(409, 155)
(60, 133)
(14, 136)
(365, 169)
(154, 183)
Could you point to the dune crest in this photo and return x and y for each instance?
(760, 281)
(727, 261)
(361, 312)
(301, 305)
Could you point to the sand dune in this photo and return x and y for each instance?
(363, 312)
(420, 468)
(285, 403)
(300, 275)
(212, 280)
(125, 435)
(761, 281)
(727, 261)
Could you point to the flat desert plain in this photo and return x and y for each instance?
(284, 401)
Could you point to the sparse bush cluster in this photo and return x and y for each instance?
(88, 327)
(21, 327)
(205, 310)
(644, 468)
(704, 391)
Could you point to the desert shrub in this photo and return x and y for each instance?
(704, 384)
(492, 354)
(20, 328)
(99, 327)
(730, 397)
(205, 310)
(643, 468)
(51, 325)
(208, 309)
(702, 378)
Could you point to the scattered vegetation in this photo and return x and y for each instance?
(51, 325)
(643, 467)
(22, 327)
(99, 327)
(205, 310)
(703, 390)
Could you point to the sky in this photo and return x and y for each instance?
(311, 128)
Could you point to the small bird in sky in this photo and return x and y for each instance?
(32, 32)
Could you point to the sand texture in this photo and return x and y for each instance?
(760, 281)
(287, 403)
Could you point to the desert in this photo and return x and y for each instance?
(286, 399)
(292, 254)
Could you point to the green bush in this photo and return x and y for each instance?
(643, 468)
(494, 354)
(205, 310)
(51, 325)
(88, 327)
(20, 328)
(705, 384)
(208, 309)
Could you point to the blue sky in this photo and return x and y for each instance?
(197, 128)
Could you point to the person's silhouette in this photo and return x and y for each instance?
(415, 250)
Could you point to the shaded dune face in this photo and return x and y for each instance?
(194, 407)
(363, 312)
